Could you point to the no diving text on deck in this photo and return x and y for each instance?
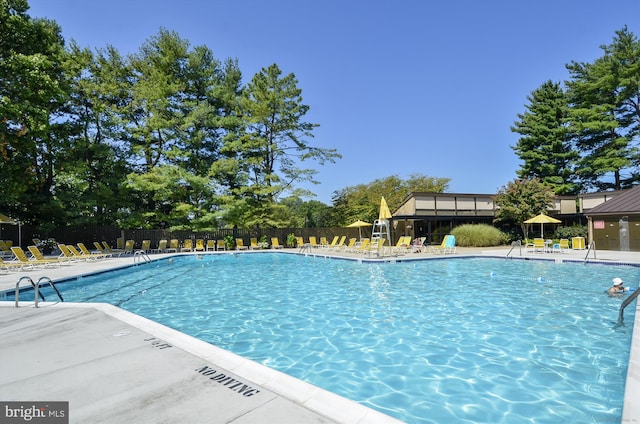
(228, 382)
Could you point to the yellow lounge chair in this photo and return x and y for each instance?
(254, 243)
(351, 245)
(538, 245)
(211, 245)
(441, 248)
(323, 242)
(240, 244)
(5, 249)
(128, 247)
(564, 245)
(38, 256)
(333, 242)
(275, 243)
(10, 266)
(300, 241)
(221, 245)
(377, 245)
(174, 245)
(146, 246)
(67, 255)
(402, 245)
(363, 246)
(340, 244)
(187, 246)
(21, 257)
(86, 252)
(199, 245)
(81, 256)
(313, 242)
(162, 246)
(108, 249)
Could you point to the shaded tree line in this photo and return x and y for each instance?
(584, 135)
(166, 137)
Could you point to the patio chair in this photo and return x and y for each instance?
(174, 244)
(333, 242)
(21, 257)
(37, 255)
(340, 244)
(199, 245)
(187, 246)
(162, 247)
(351, 245)
(211, 245)
(221, 245)
(275, 243)
(85, 251)
(438, 249)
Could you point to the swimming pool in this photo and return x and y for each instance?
(464, 340)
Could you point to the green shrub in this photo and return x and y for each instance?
(230, 242)
(479, 235)
(570, 232)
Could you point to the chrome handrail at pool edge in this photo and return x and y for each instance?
(624, 305)
(513, 245)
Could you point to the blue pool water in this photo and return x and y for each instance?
(464, 340)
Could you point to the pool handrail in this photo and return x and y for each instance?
(591, 245)
(513, 245)
(624, 305)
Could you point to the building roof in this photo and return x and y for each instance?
(627, 202)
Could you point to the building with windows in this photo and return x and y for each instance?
(434, 215)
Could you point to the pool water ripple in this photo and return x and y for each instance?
(452, 340)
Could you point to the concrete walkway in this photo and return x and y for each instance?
(113, 366)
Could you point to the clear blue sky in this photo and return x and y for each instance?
(398, 87)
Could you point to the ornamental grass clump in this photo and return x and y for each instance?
(479, 235)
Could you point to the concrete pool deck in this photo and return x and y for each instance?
(115, 366)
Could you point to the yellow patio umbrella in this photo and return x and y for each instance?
(4, 219)
(542, 219)
(359, 224)
(385, 213)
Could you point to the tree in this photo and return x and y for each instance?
(173, 122)
(363, 201)
(544, 145)
(522, 199)
(275, 143)
(91, 169)
(604, 98)
(269, 150)
(33, 90)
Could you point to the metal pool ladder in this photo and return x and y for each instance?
(305, 248)
(140, 256)
(592, 245)
(36, 288)
(624, 305)
(514, 244)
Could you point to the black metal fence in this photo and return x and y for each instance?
(24, 235)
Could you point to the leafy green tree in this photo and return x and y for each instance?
(174, 121)
(604, 100)
(33, 90)
(544, 145)
(91, 169)
(363, 201)
(268, 153)
(522, 199)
